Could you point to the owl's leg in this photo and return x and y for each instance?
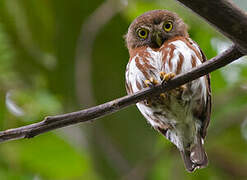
(151, 83)
(165, 77)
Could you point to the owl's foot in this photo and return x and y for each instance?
(151, 82)
(163, 96)
(165, 77)
(179, 90)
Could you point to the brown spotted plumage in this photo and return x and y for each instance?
(159, 48)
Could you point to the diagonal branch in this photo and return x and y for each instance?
(228, 18)
(59, 121)
(225, 16)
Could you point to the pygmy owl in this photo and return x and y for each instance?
(159, 48)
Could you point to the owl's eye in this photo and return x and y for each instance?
(167, 26)
(142, 33)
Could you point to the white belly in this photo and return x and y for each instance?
(177, 113)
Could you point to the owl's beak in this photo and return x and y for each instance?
(158, 38)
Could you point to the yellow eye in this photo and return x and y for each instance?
(142, 33)
(167, 26)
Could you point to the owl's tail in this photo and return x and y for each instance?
(196, 157)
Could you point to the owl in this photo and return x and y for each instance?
(160, 48)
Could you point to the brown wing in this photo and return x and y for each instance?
(206, 113)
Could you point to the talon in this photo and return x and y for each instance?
(162, 75)
(169, 76)
(151, 82)
(182, 88)
(178, 91)
(163, 95)
(147, 83)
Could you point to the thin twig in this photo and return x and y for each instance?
(55, 122)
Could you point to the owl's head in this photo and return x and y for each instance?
(153, 28)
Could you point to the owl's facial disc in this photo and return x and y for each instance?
(153, 28)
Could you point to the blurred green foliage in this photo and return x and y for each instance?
(38, 69)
